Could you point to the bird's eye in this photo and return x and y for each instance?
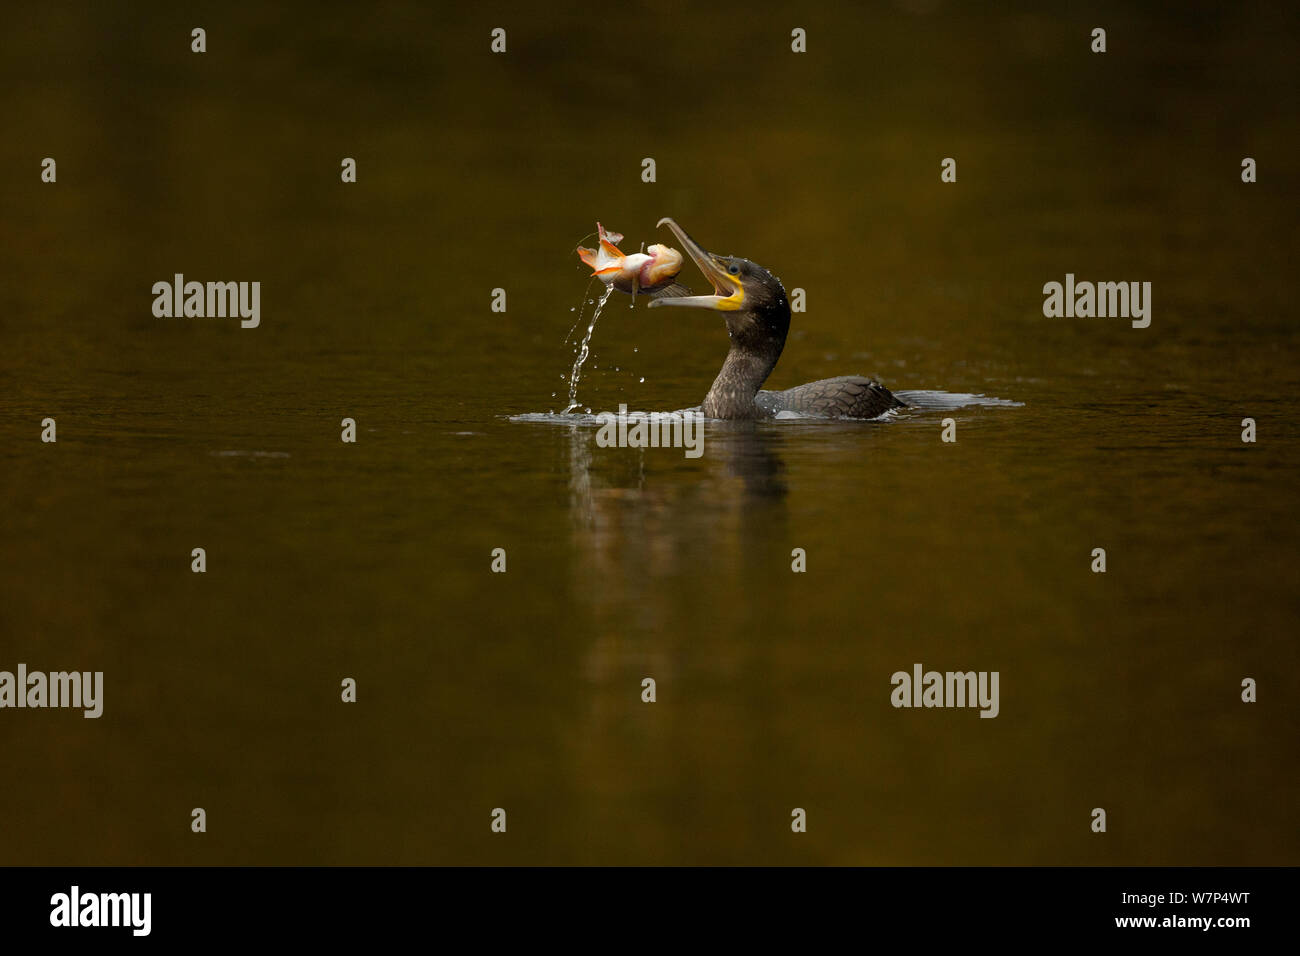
(734, 269)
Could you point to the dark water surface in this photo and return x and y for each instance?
(522, 690)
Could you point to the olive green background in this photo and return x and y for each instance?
(522, 690)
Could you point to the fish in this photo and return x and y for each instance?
(647, 271)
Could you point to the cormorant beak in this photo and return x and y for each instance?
(729, 291)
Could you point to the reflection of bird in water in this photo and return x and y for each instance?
(664, 562)
(635, 527)
(757, 311)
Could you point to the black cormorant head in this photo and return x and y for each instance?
(750, 298)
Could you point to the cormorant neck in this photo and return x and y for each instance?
(746, 368)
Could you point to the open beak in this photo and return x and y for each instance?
(729, 292)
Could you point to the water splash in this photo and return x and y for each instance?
(584, 351)
(935, 401)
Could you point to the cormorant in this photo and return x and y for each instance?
(756, 309)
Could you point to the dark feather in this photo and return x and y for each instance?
(846, 396)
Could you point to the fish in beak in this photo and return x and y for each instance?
(723, 273)
(641, 271)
